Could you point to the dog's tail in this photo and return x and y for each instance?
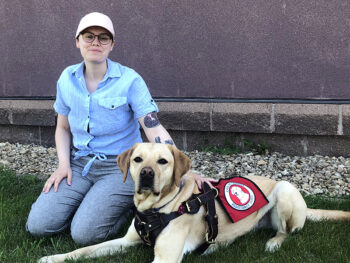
(320, 214)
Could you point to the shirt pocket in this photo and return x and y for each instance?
(113, 115)
(112, 103)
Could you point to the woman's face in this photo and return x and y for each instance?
(94, 52)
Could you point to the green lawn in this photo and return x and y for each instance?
(317, 242)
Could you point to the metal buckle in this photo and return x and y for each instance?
(188, 207)
(213, 241)
(217, 192)
(199, 200)
(146, 239)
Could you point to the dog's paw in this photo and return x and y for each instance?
(49, 259)
(272, 245)
(45, 260)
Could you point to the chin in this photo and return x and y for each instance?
(95, 60)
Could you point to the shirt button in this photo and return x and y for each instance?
(112, 106)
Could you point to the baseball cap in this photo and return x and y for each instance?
(95, 19)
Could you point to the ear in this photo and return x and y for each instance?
(77, 44)
(182, 164)
(112, 46)
(123, 161)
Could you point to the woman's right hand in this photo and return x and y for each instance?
(55, 179)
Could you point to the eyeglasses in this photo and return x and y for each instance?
(103, 38)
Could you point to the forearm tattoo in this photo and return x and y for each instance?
(157, 140)
(151, 120)
(169, 142)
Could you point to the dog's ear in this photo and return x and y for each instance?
(182, 164)
(123, 161)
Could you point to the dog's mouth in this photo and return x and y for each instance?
(146, 181)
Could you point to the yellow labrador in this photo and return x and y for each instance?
(158, 169)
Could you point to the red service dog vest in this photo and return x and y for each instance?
(240, 197)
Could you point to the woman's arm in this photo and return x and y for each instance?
(155, 132)
(63, 140)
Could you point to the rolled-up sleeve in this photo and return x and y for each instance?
(60, 106)
(140, 99)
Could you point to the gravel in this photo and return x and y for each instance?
(317, 175)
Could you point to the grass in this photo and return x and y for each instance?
(317, 242)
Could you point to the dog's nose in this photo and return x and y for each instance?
(146, 179)
(147, 172)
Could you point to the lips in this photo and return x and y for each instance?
(95, 50)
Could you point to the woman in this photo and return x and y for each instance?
(100, 105)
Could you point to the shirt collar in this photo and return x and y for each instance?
(113, 70)
(79, 70)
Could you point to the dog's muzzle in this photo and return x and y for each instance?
(146, 179)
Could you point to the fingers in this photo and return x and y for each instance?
(57, 182)
(56, 178)
(199, 184)
(69, 177)
(48, 185)
(211, 181)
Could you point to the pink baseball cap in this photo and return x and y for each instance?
(95, 19)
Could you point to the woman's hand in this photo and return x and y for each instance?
(57, 177)
(200, 180)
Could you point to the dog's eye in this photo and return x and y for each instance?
(162, 161)
(138, 159)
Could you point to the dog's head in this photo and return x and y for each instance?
(155, 169)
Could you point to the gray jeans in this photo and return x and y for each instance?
(94, 206)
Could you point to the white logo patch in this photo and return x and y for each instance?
(239, 196)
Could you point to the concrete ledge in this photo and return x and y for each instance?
(28, 134)
(344, 119)
(295, 129)
(306, 119)
(27, 112)
(241, 117)
(185, 116)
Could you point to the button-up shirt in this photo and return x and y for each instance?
(104, 122)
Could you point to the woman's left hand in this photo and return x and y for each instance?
(200, 180)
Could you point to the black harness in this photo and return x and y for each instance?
(150, 223)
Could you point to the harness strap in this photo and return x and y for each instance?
(194, 204)
(150, 223)
(212, 220)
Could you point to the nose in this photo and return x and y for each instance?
(96, 41)
(147, 173)
(146, 179)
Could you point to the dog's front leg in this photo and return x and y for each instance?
(103, 249)
(169, 247)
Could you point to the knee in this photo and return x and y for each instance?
(84, 235)
(41, 225)
(36, 225)
(88, 233)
